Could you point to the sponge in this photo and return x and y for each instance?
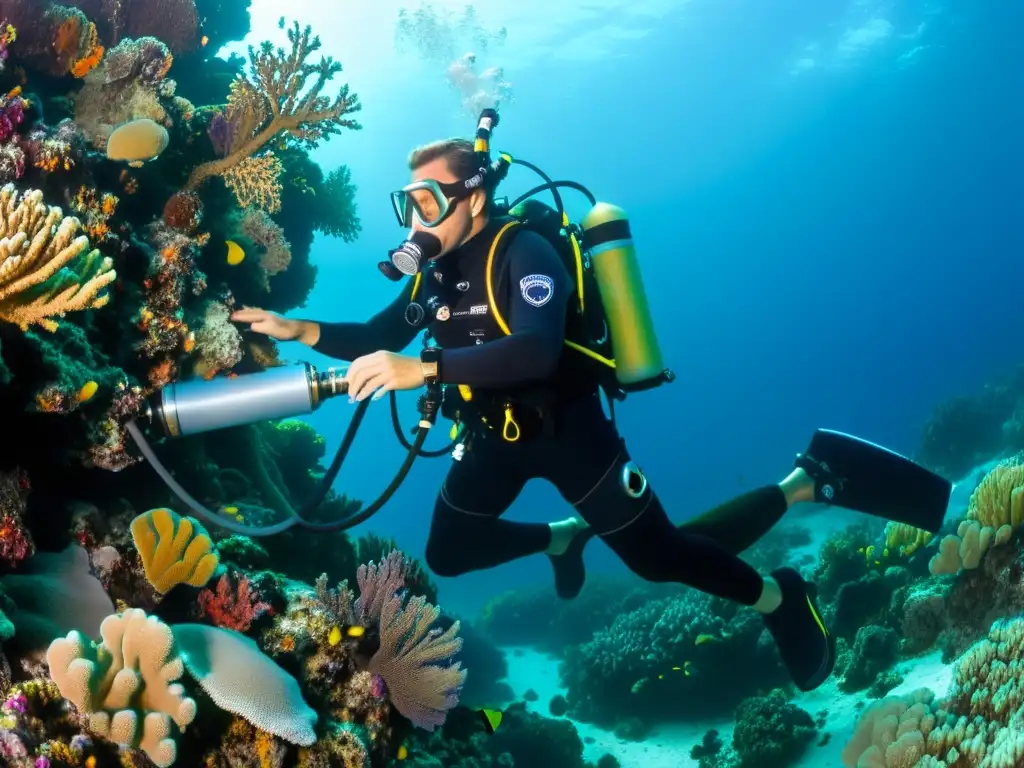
(125, 683)
(243, 680)
(175, 550)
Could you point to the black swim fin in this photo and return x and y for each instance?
(858, 475)
(807, 647)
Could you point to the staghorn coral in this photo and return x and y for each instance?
(45, 269)
(126, 683)
(273, 99)
(174, 550)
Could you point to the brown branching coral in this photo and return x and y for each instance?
(272, 99)
(46, 267)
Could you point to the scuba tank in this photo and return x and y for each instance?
(616, 269)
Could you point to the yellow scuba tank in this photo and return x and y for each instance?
(613, 261)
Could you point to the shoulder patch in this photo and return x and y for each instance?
(537, 290)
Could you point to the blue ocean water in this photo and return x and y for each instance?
(826, 197)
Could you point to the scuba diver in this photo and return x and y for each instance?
(500, 305)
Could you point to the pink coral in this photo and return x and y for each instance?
(232, 606)
(266, 234)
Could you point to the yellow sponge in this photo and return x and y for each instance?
(174, 549)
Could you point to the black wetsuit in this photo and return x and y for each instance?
(565, 437)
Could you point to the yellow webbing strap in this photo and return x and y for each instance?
(496, 313)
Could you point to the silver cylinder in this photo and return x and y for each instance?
(195, 406)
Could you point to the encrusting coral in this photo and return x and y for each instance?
(980, 724)
(46, 267)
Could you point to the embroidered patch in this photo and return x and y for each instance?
(443, 313)
(537, 290)
(462, 286)
(478, 309)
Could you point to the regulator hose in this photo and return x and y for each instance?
(429, 405)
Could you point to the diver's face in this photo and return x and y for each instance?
(461, 221)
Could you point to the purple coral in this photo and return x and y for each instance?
(12, 112)
(221, 131)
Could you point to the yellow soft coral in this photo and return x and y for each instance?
(998, 499)
(995, 509)
(174, 549)
(43, 274)
(125, 683)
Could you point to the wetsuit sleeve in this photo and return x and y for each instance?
(539, 289)
(387, 329)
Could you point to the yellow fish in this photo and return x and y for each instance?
(235, 253)
(232, 510)
(491, 719)
(355, 630)
(87, 391)
(403, 752)
(705, 638)
(335, 636)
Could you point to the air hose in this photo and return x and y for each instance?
(182, 412)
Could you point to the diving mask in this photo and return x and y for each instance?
(431, 201)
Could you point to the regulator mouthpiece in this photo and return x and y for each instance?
(410, 256)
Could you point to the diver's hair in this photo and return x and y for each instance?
(460, 156)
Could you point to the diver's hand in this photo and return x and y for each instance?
(276, 327)
(381, 372)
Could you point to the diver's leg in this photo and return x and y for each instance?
(466, 532)
(741, 522)
(593, 470)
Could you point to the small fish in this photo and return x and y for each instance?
(403, 752)
(706, 638)
(334, 637)
(354, 630)
(235, 253)
(203, 41)
(87, 391)
(491, 718)
(231, 510)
